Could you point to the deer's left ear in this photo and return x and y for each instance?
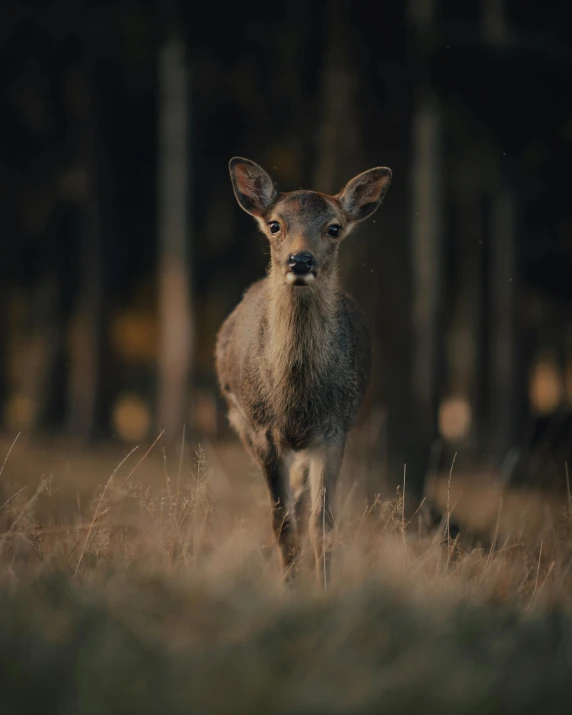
(363, 194)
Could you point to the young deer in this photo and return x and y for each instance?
(293, 358)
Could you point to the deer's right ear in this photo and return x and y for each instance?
(254, 189)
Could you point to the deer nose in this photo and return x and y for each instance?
(301, 263)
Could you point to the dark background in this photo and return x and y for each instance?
(123, 248)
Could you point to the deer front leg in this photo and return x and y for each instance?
(283, 520)
(299, 488)
(325, 463)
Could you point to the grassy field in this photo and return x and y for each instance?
(147, 582)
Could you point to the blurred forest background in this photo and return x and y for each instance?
(124, 249)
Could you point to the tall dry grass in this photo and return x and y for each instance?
(165, 595)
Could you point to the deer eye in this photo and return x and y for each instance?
(274, 226)
(334, 230)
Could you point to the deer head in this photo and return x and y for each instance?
(305, 228)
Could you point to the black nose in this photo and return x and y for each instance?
(301, 263)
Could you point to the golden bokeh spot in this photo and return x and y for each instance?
(546, 387)
(455, 418)
(19, 412)
(134, 336)
(131, 417)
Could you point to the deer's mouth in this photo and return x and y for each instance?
(300, 280)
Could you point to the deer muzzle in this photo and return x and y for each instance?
(301, 269)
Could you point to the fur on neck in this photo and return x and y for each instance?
(302, 326)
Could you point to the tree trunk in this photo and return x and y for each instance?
(426, 253)
(494, 27)
(505, 373)
(508, 390)
(175, 316)
(470, 353)
(88, 335)
(338, 138)
(426, 256)
(47, 329)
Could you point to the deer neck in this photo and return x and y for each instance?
(302, 326)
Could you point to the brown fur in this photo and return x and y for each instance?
(293, 358)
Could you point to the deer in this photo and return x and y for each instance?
(293, 359)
